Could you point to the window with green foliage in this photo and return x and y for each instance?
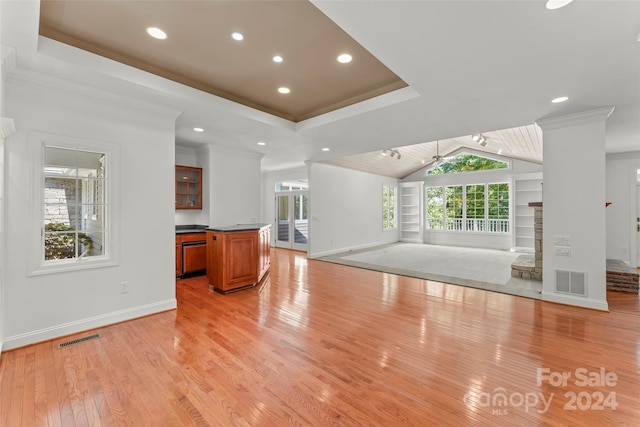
(466, 162)
(435, 207)
(475, 207)
(471, 207)
(498, 206)
(389, 207)
(453, 207)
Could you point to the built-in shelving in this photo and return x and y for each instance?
(411, 212)
(527, 188)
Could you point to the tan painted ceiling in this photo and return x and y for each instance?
(199, 51)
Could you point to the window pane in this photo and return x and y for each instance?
(283, 218)
(385, 207)
(389, 207)
(453, 207)
(435, 207)
(92, 244)
(475, 208)
(498, 205)
(59, 245)
(301, 223)
(60, 214)
(60, 162)
(74, 203)
(392, 207)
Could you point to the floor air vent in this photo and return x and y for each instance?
(79, 340)
(571, 282)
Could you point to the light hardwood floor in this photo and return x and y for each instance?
(325, 344)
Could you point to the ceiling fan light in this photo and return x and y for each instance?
(556, 4)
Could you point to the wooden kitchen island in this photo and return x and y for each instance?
(238, 256)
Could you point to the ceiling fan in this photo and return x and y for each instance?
(438, 159)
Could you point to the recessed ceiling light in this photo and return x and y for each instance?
(198, 130)
(277, 58)
(284, 90)
(556, 4)
(344, 58)
(237, 36)
(262, 143)
(326, 149)
(156, 33)
(559, 99)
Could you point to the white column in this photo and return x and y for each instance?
(574, 234)
(7, 127)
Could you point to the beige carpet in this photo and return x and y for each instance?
(478, 268)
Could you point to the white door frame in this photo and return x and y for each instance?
(294, 234)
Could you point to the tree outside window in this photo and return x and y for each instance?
(473, 207)
(435, 207)
(389, 207)
(453, 207)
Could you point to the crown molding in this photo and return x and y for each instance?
(590, 116)
(35, 79)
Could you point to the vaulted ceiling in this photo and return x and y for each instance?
(424, 71)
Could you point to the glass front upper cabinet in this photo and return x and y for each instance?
(188, 187)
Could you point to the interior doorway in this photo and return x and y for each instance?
(292, 223)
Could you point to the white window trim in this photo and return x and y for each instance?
(35, 248)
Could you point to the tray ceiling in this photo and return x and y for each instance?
(199, 51)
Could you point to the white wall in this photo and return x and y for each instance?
(621, 214)
(346, 210)
(235, 187)
(2, 239)
(41, 307)
(503, 241)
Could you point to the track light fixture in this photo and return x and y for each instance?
(392, 153)
(480, 139)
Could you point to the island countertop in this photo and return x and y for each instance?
(238, 227)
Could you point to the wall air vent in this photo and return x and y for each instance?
(79, 340)
(571, 282)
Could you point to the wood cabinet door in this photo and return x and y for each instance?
(242, 258)
(178, 256)
(194, 258)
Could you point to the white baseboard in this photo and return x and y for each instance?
(87, 324)
(575, 301)
(352, 248)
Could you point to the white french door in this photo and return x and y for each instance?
(292, 223)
